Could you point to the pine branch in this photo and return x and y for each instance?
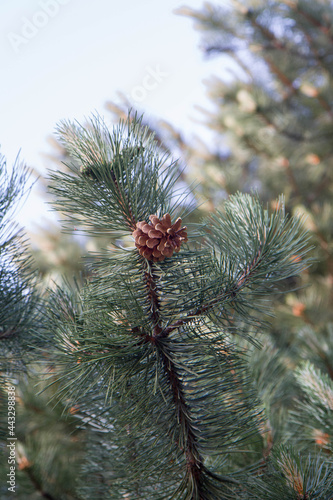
(194, 461)
(150, 280)
(149, 330)
(20, 305)
(297, 7)
(274, 68)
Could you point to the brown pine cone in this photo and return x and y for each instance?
(159, 238)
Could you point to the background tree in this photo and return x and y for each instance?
(21, 312)
(18, 306)
(48, 441)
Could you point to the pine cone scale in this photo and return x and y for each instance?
(160, 228)
(167, 252)
(147, 253)
(154, 219)
(151, 243)
(137, 233)
(155, 234)
(142, 240)
(176, 226)
(160, 247)
(146, 228)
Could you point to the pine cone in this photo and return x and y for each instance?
(159, 238)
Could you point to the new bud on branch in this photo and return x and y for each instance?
(159, 238)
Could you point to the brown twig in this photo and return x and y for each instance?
(194, 461)
(280, 46)
(150, 281)
(315, 22)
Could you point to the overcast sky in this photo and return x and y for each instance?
(66, 58)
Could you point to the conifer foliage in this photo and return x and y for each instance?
(19, 311)
(20, 306)
(272, 124)
(146, 350)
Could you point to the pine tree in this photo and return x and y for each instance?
(148, 349)
(272, 125)
(207, 395)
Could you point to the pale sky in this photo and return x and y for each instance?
(63, 59)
